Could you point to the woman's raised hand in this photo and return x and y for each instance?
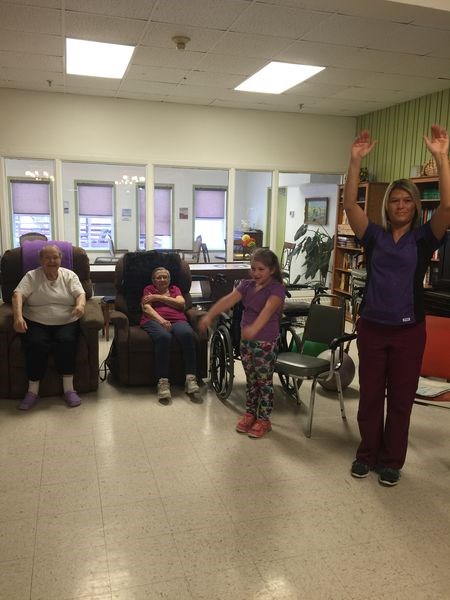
(438, 144)
(362, 144)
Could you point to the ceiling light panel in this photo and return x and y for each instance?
(277, 77)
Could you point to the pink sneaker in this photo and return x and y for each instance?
(29, 401)
(259, 428)
(72, 399)
(245, 423)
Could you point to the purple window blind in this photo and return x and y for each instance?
(95, 200)
(209, 203)
(30, 198)
(163, 198)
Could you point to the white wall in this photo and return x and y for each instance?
(42, 124)
(75, 128)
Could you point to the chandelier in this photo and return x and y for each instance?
(38, 176)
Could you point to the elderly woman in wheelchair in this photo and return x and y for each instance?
(163, 316)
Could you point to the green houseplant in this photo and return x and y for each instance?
(315, 245)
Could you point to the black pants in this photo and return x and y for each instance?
(40, 340)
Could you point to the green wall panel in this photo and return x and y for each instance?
(399, 130)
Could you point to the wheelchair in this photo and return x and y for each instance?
(225, 341)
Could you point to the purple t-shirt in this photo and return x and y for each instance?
(255, 300)
(167, 312)
(395, 272)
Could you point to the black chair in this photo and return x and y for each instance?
(324, 330)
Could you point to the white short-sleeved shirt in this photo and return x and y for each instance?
(50, 302)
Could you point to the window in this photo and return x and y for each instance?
(95, 215)
(30, 201)
(163, 217)
(209, 211)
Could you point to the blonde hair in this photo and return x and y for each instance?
(411, 188)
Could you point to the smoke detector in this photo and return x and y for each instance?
(181, 41)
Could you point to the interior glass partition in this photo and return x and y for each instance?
(199, 206)
(305, 192)
(100, 206)
(250, 211)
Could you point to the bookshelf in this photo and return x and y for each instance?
(348, 255)
(429, 194)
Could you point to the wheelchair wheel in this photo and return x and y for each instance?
(290, 341)
(222, 362)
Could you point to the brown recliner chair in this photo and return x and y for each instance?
(13, 378)
(132, 357)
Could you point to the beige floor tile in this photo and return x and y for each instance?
(68, 497)
(135, 520)
(175, 589)
(15, 581)
(206, 551)
(302, 577)
(237, 583)
(21, 474)
(17, 539)
(19, 503)
(57, 533)
(142, 561)
(71, 574)
(183, 479)
(60, 470)
(69, 449)
(196, 511)
(124, 486)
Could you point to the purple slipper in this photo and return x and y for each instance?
(72, 399)
(29, 401)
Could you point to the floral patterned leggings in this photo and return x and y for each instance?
(258, 360)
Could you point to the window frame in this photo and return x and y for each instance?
(197, 187)
(93, 183)
(169, 186)
(18, 179)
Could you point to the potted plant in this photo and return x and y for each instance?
(316, 245)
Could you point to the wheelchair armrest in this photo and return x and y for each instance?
(194, 315)
(347, 337)
(6, 317)
(92, 318)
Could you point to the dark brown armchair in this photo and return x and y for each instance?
(132, 353)
(13, 378)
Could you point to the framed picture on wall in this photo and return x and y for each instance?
(316, 211)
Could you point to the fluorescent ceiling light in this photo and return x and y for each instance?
(96, 59)
(276, 77)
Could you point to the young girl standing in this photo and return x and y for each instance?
(263, 297)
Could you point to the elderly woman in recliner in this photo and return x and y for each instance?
(47, 305)
(163, 317)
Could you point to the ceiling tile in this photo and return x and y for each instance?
(321, 54)
(214, 79)
(132, 9)
(215, 14)
(250, 44)
(161, 74)
(30, 19)
(239, 65)
(112, 30)
(19, 60)
(20, 41)
(163, 57)
(280, 21)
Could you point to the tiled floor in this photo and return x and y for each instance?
(124, 499)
